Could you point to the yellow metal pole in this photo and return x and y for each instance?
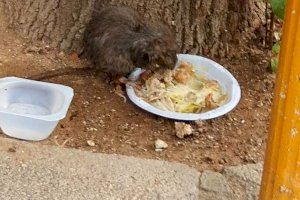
(281, 177)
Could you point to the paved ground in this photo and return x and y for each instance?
(32, 171)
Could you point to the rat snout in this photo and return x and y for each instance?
(171, 60)
(165, 61)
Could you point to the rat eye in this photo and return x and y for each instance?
(137, 28)
(146, 57)
(142, 59)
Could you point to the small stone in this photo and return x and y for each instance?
(239, 132)
(12, 149)
(47, 47)
(197, 141)
(199, 123)
(61, 54)
(201, 127)
(23, 165)
(183, 129)
(222, 161)
(33, 49)
(160, 144)
(210, 137)
(260, 104)
(243, 121)
(91, 129)
(125, 127)
(91, 143)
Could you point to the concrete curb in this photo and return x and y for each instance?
(47, 172)
(34, 171)
(239, 182)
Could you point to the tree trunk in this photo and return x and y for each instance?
(204, 27)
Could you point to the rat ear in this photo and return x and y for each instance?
(137, 47)
(139, 53)
(140, 44)
(142, 59)
(155, 41)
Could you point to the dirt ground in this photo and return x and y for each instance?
(115, 127)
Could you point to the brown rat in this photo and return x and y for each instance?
(117, 40)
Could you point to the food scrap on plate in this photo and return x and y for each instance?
(181, 90)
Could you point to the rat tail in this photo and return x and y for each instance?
(61, 72)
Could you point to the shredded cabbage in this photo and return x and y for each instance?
(182, 90)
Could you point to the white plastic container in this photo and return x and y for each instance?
(30, 110)
(206, 67)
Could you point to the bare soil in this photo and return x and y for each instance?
(115, 127)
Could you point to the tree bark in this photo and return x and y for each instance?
(203, 27)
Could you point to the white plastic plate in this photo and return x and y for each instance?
(206, 67)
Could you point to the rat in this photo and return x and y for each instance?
(117, 40)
